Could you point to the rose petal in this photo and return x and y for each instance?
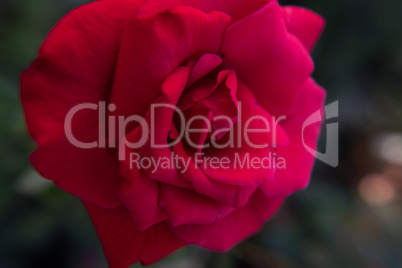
(306, 25)
(237, 9)
(154, 46)
(204, 66)
(204, 105)
(248, 153)
(159, 120)
(227, 194)
(121, 241)
(140, 195)
(76, 65)
(123, 244)
(232, 229)
(195, 93)
(188, 207)
(299, 161)
(89, 174)
(230, 195)
(159, 242)
(269, 60)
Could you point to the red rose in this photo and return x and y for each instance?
(230, 67)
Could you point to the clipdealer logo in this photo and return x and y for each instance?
(331, 155)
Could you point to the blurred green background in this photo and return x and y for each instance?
(350, 216)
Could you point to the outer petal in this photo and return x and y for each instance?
(269, 60)
(121, 241)
(188, 207)
(299, 161)
(159, 242)
(141, 197)
(91, 174)
(159, 120)
(235, 227)
(306, 25)
(76, 65)
(227, 194)
(154, 46)
(139, 193)
(237, 9)
(123, 244)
